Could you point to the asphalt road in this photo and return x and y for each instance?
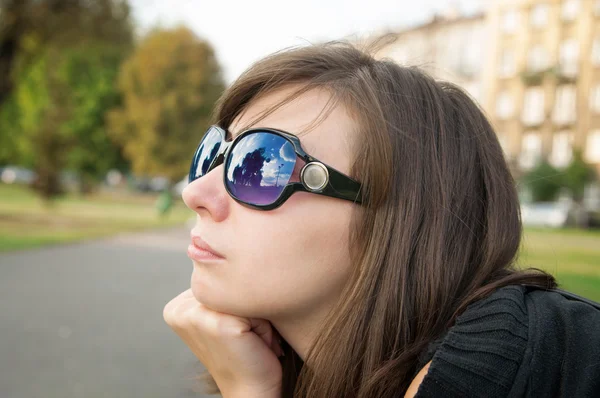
(85, 320)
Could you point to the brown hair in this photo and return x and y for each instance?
(441, 228)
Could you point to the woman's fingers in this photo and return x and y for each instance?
(267, 332)
(236, 350)
(263, 329)
(178, 305)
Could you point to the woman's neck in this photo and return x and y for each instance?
(300, 332)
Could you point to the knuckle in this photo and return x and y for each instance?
(227, 326)
(167, 315)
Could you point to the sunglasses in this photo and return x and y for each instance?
(260, 163)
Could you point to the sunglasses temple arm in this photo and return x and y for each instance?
(343, 187)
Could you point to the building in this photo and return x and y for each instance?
(542, 79)
(449, 47)
(533, 65)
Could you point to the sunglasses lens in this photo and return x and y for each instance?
(259, 167)
(205, 154)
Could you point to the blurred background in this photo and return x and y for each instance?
(102, 103)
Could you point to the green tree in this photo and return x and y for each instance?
(9, 117)
(543, 182)
(61, 80)
(14, 23)
(54, 21)
(90, 75)
(169, 86)
(577, 175)
(50, 136)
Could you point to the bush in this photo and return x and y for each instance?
(577, 175)
(544, 182)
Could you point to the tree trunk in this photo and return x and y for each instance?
(12, 27)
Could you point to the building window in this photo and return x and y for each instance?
(595, 98)
(537, 59)
(569, 57)
(592, 147)
(510, 21)
(470, 56)
(562, 149)
(596, 51)
(507, 63)
(504, 106)
(533, 107)
(570, 9)
(539, 15)
(565, 104)
(531, 150)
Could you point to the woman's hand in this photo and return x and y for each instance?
(240, 353)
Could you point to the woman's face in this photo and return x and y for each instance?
(287, 262)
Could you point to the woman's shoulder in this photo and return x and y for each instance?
(564, 349)
(517, 339)
(481, 353)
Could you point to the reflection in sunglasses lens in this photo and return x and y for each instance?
(205, 154)
(259, 167)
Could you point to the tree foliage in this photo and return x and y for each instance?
(544, 182)
(169, 86)
(90, 77)
(58, 22)
(61, 83)
(577, 175)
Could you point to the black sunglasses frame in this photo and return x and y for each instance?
(338, 184)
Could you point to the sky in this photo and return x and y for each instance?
(242, 32)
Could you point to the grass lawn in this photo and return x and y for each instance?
(571, 255)
(26, 222)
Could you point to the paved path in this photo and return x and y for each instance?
(85, 320)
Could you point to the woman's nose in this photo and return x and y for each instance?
(207, 195)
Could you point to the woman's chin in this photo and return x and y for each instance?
(200, 289)
(206, 293)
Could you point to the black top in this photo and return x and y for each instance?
(518, 342)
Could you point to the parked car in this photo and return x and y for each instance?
(149, 184)
(545, 214)
(17, 175)
(178, 188)
(555, 214)
(159, 184)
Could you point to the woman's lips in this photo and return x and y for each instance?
(199, 250)
(197, 254)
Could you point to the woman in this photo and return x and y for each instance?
(358, 238)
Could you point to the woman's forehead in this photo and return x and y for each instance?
(302, 110)
(304, 116)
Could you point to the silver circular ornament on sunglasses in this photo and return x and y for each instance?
(314, 176)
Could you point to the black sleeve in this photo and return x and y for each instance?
(482, 353)
(565, 350)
